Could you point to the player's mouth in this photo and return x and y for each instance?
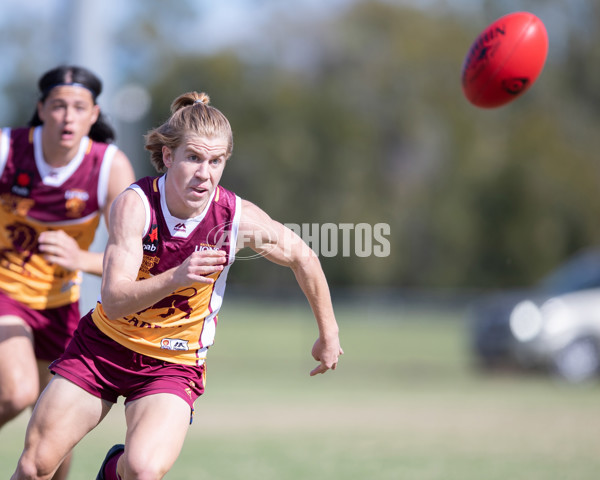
(67, 134)
(200, 191)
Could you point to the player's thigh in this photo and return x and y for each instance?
(66, 412)
(18, 367)
(156, 429)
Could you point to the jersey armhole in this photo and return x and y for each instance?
(144, 198)
(104, 176)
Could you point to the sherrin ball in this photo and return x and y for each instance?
(505, 60)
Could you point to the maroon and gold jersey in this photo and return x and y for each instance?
(34, 197)
(180, 327)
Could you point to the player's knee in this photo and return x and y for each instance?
(14, 402)
(145, 473)
(144, 470)
(30, 469)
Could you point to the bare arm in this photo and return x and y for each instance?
(281, 245)
(63, 250)
(122, 293)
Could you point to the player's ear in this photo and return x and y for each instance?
(40, 110)
(95, 113)
(167, 156)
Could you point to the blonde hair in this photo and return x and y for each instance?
(190, 114)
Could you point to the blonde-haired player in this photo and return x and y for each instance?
(172, 240)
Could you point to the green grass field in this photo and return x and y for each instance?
(403, 404)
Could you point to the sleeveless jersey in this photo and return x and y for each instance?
(180, 327)
(35, 197)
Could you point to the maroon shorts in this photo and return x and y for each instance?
(52, 328)
(107, 369)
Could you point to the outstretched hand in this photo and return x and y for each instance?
(327, 353)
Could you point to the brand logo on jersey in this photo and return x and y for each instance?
(75, 202)
(151, 239)
(79, 194)
(180, 227)
(203, 247)
(22, 184)
(174, 344)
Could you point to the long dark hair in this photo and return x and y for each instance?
(101, 131)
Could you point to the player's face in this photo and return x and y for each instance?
(194, 171)
(68, 114)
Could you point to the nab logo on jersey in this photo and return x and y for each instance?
(151, 239)
(22, 183)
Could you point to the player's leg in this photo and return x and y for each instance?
(63, 471)
(45, 375)
(50, 343)
(156, 428)
(63, 415)
(19, 384)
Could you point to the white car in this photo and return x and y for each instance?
(553, 326)
(562, 333)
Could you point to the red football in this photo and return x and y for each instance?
(505, 60)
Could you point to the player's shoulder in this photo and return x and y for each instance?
(19, 132)
(120, 160)
(252, 213)
(128, 198)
